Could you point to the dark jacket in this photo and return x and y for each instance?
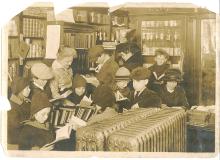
(31, 136)
(133, 62)
(106, 75)
(147, 98)
(176, 98)
(16, 115)
(155, 83)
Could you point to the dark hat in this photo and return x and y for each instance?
(125, 47)
(78, 81)
(173, 75)
(18, 84)
(161, 52)
(140, 73)
(103, 96)
(95, 52)
(39, 102)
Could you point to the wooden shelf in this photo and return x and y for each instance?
(29, 58)
(13, 36)
(42, 38)
(34, 17)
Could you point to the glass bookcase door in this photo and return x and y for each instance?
(164, 34)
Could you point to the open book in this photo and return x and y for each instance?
(65, 131)
(63, 96)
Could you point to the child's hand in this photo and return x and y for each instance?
(135, 106)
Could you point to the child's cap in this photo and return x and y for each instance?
(140, 73)
(78, 81)
(103, 96)
(95, 52)
(173, 75)
(161, 52)
(122, 74)
(41, 71)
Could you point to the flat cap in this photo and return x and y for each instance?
(95, 52)
(41, 71)
(140, 73)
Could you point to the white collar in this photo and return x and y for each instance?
(38, 86)
(139, 91)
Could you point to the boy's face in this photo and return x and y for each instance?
(160, 59)
(101, 59)
(80, 90)
(139, 85)
(122, 84)
(66, 61)
(171, 85)
(42, 115)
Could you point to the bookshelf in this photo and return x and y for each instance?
(28, 26)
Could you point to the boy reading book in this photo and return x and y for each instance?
(122, 91)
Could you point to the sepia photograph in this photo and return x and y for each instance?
(127, 80)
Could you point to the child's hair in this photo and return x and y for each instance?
(127, 48)
(160, 52)
(66, 52)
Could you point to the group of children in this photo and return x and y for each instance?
(119, 85)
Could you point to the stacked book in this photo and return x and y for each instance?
(63, 115)
(13, 69)
(33, 27)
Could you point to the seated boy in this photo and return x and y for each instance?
(158, 69)
(122, 90)
(20, 108)
(36, 131)
(171, 93)
(141, 96)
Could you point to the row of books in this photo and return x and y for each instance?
(81, 64)
(119, 21)
(79, 40)
(176, 51)
(98, 18)
(36, 49)
(61, 116)
(166, 23)
(80, 15)
(33, 27)
(162, 34)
